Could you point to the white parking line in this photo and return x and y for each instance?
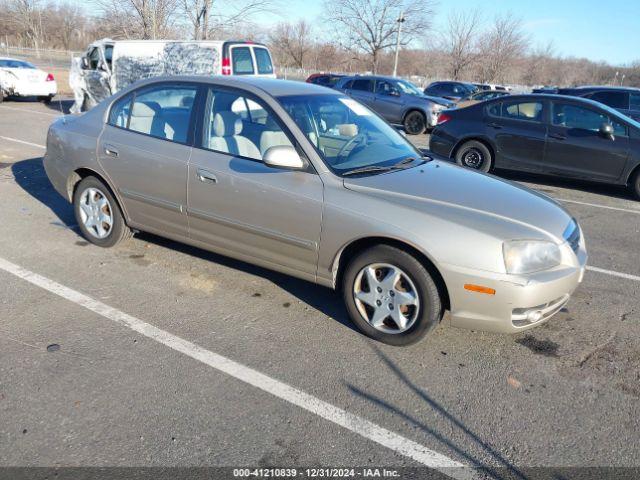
(614, 273)
(354, 423)
(23, 142)
(32, 111)
(630, 210)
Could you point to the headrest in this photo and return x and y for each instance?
(348, 129)
(186, 101)
(226, 124)
(145, 109)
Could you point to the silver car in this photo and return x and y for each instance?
(305, 180)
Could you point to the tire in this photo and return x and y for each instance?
(414, 123)
(420, 318)
(474, 155)
(46, 99)
(93, 227)
(634, 184)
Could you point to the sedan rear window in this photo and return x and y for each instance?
(242, 61)
(15, 64)
(613, 99)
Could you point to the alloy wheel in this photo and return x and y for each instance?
(96, 213)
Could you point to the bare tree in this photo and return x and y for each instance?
(459, 41)
(207, 17)
(26, 18)
(370, 26)
(501, 47)
(292, 43)
(145, 19)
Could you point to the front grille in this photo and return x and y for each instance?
(572, 235)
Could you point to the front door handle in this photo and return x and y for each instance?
(110, 151)
(497, 126)
(558, 136)
(206, 176)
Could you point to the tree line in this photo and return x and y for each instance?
(351, 36)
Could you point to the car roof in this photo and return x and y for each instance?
(603, 87)
(552, 96)
(272, 86)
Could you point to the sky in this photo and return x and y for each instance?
(600, 30)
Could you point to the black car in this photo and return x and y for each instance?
(451, 90)
(550, 134)
(624, 99)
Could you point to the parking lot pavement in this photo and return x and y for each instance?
(118, 393)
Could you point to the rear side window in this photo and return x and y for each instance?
(613, 99)
(242, 61)
(263, 61)
(529, 111)
(363, 85)
(163, 112)
(119, 114)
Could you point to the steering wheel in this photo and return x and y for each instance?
(353, 140)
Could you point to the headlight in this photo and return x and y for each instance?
(437, 108)
(528, 256)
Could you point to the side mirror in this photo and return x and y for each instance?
(606, 130)
(283, 156)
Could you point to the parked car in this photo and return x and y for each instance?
(108, 66)
(624, 99)
(490, 86)
(305, 180)
(399, 102)
(565, 136)
(325, 79)
(22, 79)
(481, 96)
(455, 91)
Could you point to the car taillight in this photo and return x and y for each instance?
(443, 118)
(226, 66)
(50, 78)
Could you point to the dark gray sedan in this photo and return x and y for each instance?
(399, 102)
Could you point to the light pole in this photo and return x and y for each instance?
(400, 21)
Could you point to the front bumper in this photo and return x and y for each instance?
(520, 302)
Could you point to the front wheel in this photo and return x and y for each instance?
(98, 214)
(634, 185)
(474, 155)
(414, 123)
(390, 296)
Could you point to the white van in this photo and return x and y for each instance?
(110, 65)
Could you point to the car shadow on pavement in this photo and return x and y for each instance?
(61, 105)
(505, 469)
(588, 187)
(30, 175)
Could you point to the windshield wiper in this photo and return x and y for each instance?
(379, 169)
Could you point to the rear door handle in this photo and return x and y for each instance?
(558, 136)
(206, 176)
(497, 126)
(110, 151)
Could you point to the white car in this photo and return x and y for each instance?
(22, 79)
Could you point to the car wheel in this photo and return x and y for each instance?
(98, 214)
(390, 296)
(474, 155)
(635, 184)
(414, 123)
(46, 99)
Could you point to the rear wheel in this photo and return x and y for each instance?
(98, 214)
(45, 99)
(390, 296)
(474, 155)
(414, 123)
(634, 185)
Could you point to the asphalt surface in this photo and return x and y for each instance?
(77, 388)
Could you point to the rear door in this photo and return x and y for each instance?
(576, 148)
(145, 149)
(362, 90)
(519, 132)
(249, 59)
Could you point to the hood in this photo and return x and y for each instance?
(440, 101)
(465, 196)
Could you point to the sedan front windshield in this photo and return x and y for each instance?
(347, 135)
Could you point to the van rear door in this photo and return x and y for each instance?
(247, 59)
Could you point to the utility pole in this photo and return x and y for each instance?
(400, 21)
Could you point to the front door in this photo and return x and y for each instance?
(388, 101)
(144, 149)
(519, 133)
(240, 206)
(576, 148)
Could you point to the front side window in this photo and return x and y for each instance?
(242, 61)
(576, 117)
(346, 134)
(163, 112)
(263, 61)
(94, 58)
(362, 85)
(385, 88)
(613, 99)
(108, 54)
(240, 126)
